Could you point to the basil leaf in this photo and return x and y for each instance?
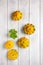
(12, 33)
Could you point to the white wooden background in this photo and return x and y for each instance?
(33, 13)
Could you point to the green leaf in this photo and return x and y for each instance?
(12, 33)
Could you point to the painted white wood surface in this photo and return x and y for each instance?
(3, 31)
(41, 32)
(31, 12)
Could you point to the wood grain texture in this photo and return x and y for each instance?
(32, 55)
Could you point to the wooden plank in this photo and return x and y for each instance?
(35, 41)
(41, 32)
(24, 54)
(12, 6)
(3, 31)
